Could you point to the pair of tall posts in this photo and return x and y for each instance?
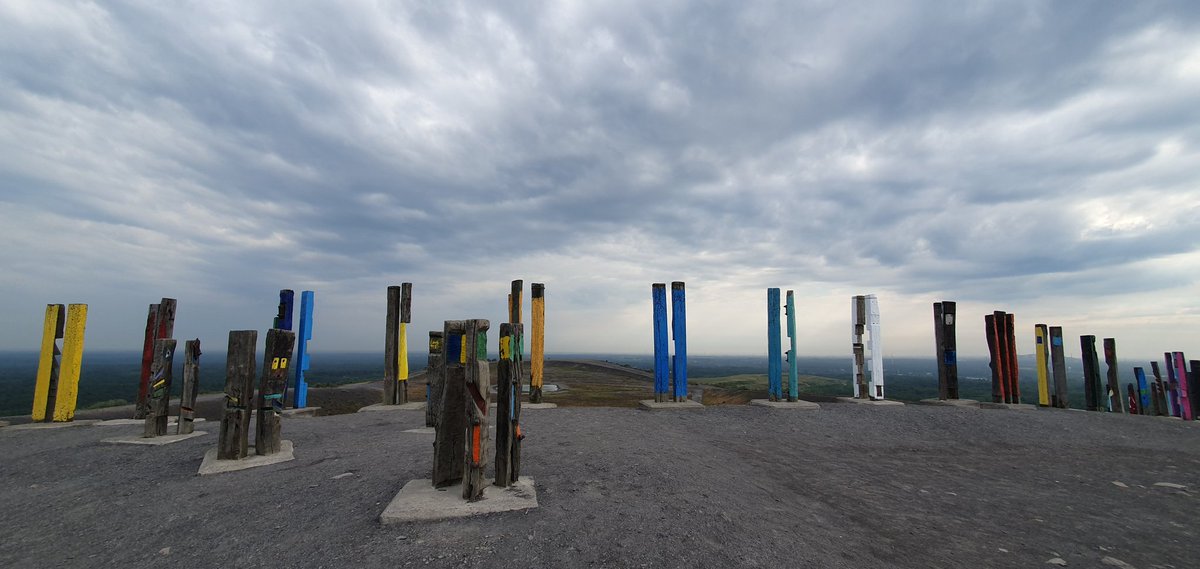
(57, 386)
(673, 374)
(866, 341)
(775, 390)
(283, 321)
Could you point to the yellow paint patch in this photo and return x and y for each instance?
(505, 347)
(402, 354)
(1041, 346)
(41, 391)
(72, 362)
(537, 350)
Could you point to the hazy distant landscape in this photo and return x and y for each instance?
(110, 378)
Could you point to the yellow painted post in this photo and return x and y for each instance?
(1042, 353)
(537, 348)
(402, 365)
(47, 373)
(72, 361)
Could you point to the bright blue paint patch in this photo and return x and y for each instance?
(302, 338)
(1143, 389)
(659, 298)
(679, 330)
(453, 349)
(774, 357)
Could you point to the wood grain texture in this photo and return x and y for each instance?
(537, 348)
(161, 376)
(450, 431)
(434, 379)
(945, 314)
(1041, 357)
(991, 333)
(679, 375)
(240, 364)
(793, 386)
(1012, 366)
(1114, 400)
(774, 347)
(277, 358)
(391, 342)
(46, 387)
(1091, 372)
(477, 393)
(72, 363)
(1058, 366)
(283, 318)
(190, 389)
(658, 298)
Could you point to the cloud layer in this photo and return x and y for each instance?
(1031, 156)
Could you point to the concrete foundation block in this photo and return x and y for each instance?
(173, 421)
(525, 406)
(49, 426)
(154, 441)
(302, 412)
(210, 464)
(1010, 406)
(413, 406)
(419, 501)
(799, 405)
(877, 402)
(653, 405)
(951, 402)
(422, 430)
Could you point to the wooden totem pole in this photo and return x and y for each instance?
(1185, 394)
(434, 379)
(1113, 402)
(303, 337)
(946, 346)
(537, 348)
(1041, 346)
(276, 359)
(1143, 390)
(661, 351)
(1001, 339)
(793, 392)
(191, 387)
(56, 388)
(460, 442)
(1093, 394)
(774, 349)
(508, 405)
(160, 388)
(866, 343)
(232, 443)
(160, 324)
(679, 377)
(1059, 365)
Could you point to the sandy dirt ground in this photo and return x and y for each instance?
(726, 486)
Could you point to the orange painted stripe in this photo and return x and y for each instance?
(475, 445)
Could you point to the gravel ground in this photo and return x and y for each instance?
(729, 486)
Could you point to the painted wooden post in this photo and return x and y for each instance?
(239, 395)
(858, 358)
(679, 333)
(1173, 403)
(72, 363)
(793, 376)
(661, 351)
(1193, 377)
(1091, 373)
(537, 354)
(191, 387)
(1012, 367)
(774, 353)
(1159, 389)
(478, 385)
(434, 379)
(395, 379)
(160, 324)
(946, 347)
(283, 320)
(993, 335)
(1058, 365)
(276, 362)
(508, 406)
(160, 388)
(450, 430)
(1133, 399)
(46, 388)
(515, 300)
(1144, 405)
(303, 337)
(1113, 401)
(1041, 354)
(1185, 395)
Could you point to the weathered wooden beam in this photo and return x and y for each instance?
(1132, 399)
(163, 327)
(392, 394)
(161, 375)
(283, 319)
(515, 301)
(1012, 366)
(658, 297)
(793, 387)
(537, 348)
(1114, 398)
(1173, 406)
(679, 376)
(1091, 372)
(72, 363)
(946, 348)
(774, 347)
(996, 356)
(1193, 376)
(1159, 390)
(1041, 347)
(478, 386)
(272, 382)
(1143, 390)
(45, 389)
(450, 431)
(508, 406)
(303, 337)
(858, 327)
(232, 443)
(191, 387)
(1185, 395)
(402, 347)
(434, 383)
(1058, 365)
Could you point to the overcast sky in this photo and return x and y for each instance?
(1036, 157)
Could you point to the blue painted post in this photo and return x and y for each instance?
(793, 375)
(679, 331)
(659, 297)
(1143, 391)
(302, 338)
(283, 320)
(774, 357)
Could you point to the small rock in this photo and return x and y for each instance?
(1114, 562)
(1170, 485)
(1002, 550)
(164, 551)
(1057, 561)
(342, 475)
(1120, 484)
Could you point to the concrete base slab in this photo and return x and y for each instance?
(1011, 406)
(210, 464)
(414, 406)
(658, 406)
(3, 424)
(302, 412)
(525, 406)
(951, 402)
(419, 501)
(879, 402)
(422, 430)
(174, 421)
(801, 405)
(44, 426)
(156, 441)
